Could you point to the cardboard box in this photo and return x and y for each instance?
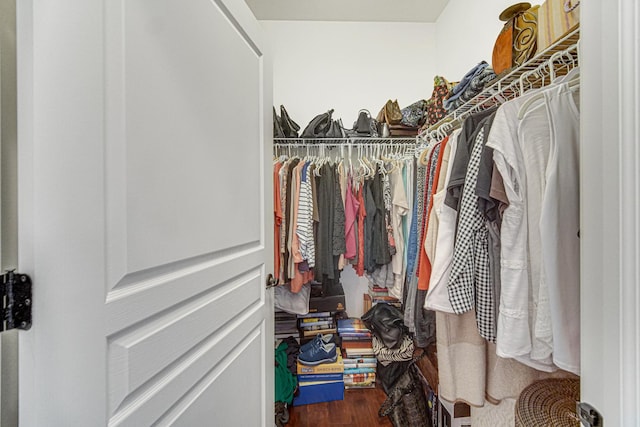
(554, 22)
(330, 303)
(316, 392)
(453, 414)
(323, 368)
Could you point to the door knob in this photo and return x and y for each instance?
(271, 281)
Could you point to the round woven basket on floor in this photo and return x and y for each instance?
(550, 402)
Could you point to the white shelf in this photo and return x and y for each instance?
(506, 86)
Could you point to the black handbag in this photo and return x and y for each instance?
(406, 403)
(387, 323)
(289, 127)
(318, 126)
(335, 130)
(365, 125)
(277, 126)
(389, 374)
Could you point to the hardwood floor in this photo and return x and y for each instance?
(358, 409)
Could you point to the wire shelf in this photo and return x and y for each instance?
(508, 85)
(354, 140)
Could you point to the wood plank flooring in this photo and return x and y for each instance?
(358, 409)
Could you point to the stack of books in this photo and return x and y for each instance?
(378, 294)
(320, 383)
(313, 324)
(357, 354)
(285, 326)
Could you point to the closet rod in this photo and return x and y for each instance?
(352, 144)
(344, 141)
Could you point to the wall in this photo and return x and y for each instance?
(465, 34)
(348, 66)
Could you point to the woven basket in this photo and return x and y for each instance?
(550, 402)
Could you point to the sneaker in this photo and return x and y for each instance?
(319, 339)
(315, 355)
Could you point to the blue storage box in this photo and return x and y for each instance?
(316, 392)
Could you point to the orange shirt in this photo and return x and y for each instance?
(277, 221)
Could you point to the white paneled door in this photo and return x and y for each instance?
(145, 213)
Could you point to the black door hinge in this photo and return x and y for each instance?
(589, 415)
(16, 301)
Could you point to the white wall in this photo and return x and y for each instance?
(349, 65)
(465, 34)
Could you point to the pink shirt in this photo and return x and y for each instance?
(351, 206)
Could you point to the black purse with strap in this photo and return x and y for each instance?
(289, 127)
(318, 126)
(406, 403)
(277, 126)
(387, 323)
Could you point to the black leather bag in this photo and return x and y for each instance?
(318, 126)
(289, 127)
(387, 323)
(335, 130)
(365, 125)
(389, 374)
(277, 126)
(406, 403)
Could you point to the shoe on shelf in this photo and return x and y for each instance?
(317, 340)
(315, 355)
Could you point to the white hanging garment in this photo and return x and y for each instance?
(445, 221)
(559, 226)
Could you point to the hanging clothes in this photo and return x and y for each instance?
(328, 215)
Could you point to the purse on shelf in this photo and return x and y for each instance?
(335, 130)
(289, 127)
(414, 115)
(318, 126)
(390, 113)
(365, 125)
(277, 126)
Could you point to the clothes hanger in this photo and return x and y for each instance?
(573, 84)
(552, 60)
(574, 78)
(363, 166)
(422, 160)
(368, 159)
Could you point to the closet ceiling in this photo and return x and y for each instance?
(348, 10)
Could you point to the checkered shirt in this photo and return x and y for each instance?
(470, 281)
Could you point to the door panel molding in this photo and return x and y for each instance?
(172, 385)
(143, 351)
(148, 296)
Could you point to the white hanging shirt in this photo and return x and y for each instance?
(445, 222)
(559, 226)
(534, 139)
(399, 208)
